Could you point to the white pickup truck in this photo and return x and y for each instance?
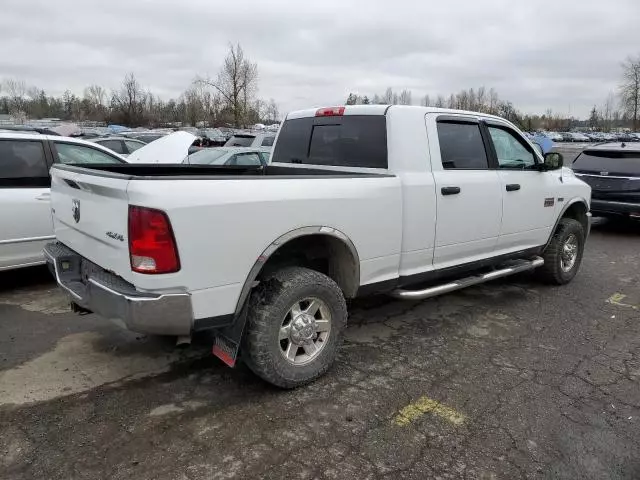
(409, 201)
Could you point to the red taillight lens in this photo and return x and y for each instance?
(152, 247)
(330, 112)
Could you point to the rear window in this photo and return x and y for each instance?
(348, 141)
(240, 141)
(614, 162)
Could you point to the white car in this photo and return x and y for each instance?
(409, 201)
(121, 145)
(579, 137)
(554, 136)
(25, 213)
(233, 156)
(251, 140)
(25, 160)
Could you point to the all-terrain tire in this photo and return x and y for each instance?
(552, 271)
(269, 304)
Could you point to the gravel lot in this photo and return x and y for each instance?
(508, 380)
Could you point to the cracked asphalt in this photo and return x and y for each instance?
(508, 380)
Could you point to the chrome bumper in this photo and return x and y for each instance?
(108, 295)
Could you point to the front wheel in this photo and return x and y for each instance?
(563, 255)
(295, 323)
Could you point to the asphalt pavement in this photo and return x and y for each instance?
(508, 380)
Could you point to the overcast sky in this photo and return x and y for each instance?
(539, 54)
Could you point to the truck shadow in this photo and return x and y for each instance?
(25, 278)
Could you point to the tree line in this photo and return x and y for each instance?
(617, 111)
(229, 99)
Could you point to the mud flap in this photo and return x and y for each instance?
(227, 342)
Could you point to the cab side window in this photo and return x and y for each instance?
(512, 151)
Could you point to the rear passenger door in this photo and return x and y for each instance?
(468, 193)
(25, 212)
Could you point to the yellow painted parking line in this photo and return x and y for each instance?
(617, 298)
(424, 405)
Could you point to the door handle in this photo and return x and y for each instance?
(512, 187)
(44, 197)
(450, 190)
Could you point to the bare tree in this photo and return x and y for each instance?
(128, 102)
(494, 101)
(96, 94)
(388, 96)
(481, 98)
(272, 111)
(405, 97)
(440, 101)
(17, 91)
(607, 111)
(236, 82)
(426, 101)
(630, 88)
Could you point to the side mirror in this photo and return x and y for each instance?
(553, 161)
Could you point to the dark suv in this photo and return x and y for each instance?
(613, 172)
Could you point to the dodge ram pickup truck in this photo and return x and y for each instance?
(409, 201)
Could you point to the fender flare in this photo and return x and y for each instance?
(568, 205)
(250, 281)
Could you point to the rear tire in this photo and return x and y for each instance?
(563, 255)
(295, 324)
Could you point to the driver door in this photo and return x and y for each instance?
(528, 195)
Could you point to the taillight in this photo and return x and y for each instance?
(330, 112)
(152, 246)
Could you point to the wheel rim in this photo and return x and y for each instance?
(569, 253)
(304, 331)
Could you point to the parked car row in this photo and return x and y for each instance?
(585, 137)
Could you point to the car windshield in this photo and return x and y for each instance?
(208, 156)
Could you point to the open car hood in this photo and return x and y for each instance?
(171, 148)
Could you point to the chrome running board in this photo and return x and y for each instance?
(517, 266)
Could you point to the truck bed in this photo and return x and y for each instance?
(209, 172)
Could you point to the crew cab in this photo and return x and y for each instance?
(409, 201)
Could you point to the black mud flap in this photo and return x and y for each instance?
(227, 342)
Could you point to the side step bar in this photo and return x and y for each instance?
(511, 268)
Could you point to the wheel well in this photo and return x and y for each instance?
(578, 211)
(324, 253)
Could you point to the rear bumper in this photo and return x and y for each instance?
(108, 295)
(608, 206)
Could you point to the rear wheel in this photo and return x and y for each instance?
(295, 325)
(563, 255)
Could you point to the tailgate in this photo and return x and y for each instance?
(90, 215)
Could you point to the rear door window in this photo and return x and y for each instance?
(240, 141)
(82, 154)
(246, 159)
(349, 141)
(461, 146)
(268, 141)
(23, 163)
(115, 145)
(133, 146)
